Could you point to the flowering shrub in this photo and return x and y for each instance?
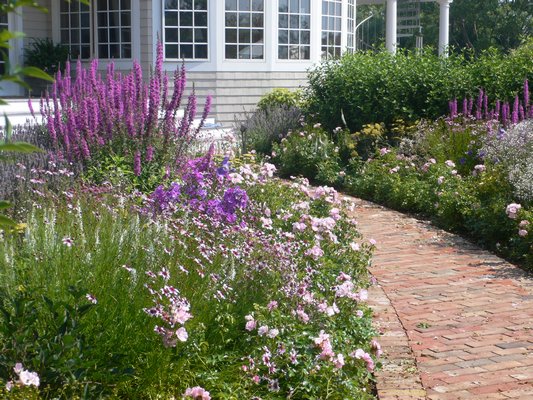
(512, 150)
(306, 152)
(92, 119)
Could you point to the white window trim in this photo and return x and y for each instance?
(120, 63)
(162, 35)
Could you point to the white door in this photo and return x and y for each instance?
(11, 22)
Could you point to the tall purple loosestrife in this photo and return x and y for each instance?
(121, 113)
(503, 112)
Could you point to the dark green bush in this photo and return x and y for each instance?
(280, 97)
(368, 87)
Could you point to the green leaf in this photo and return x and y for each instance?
(35, 72)
(4, 204)
(6, 222)
(19, 147)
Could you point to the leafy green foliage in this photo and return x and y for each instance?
(371, 87)
(46, 55)
(280, 97)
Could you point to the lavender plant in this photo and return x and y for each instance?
(512, 149)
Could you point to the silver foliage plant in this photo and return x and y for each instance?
(513, 150)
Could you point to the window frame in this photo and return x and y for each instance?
(328, 30)
(178, 43)
(134, 33)
(265, 37)
(300, 30)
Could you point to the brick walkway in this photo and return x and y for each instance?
(457, 320)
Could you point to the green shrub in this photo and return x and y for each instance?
(47, 55)
(368, 87)
(280, 97)
(305, 152)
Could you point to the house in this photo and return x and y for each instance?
(234, 49)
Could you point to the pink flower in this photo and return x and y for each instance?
(374, 344)
(450, 163)
(362, 355)
(359, 313)
(384, 151)
(522, 232)
(355, 246)
(256, 379)
(302, 316)
(68, 241)
(394, 170)
(272, 305)
(251, 323)
(315, 252)
(197, 393)
(512, 210)
(339, 361)
(91, 298)
(523, 223)
(272, 333)
(298, 226)
(440, 180)
(263, 330)
(182, 334)
(373, 242)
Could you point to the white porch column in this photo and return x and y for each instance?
(392, 23)
(444, 27)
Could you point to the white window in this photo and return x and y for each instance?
(75, 28)
(185, 29)
(351, 26)
(294, 30)
(331, 28)
(101, 30)
(244, 29)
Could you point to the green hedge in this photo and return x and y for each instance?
(371, 87)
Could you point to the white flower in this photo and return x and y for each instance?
(28, 378)
(182, 334)
(272, 333)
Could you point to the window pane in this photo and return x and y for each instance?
(244, 52)
(125, 5)
(114, 19)
(171, 4)
(185, 4)
(200, 19)
(257, 5)
(257, 20)
(114, 51)
(171, 35)
(231, 5)
(244, 5)
(125, 35)
(244, 20)
(200, 51)
(294, 37)
(200, 5)
(125, 19)
(245, 35)
(200, 35)
(186, 51)
(114, 35)
(85, 52)
(294, 22)
(257, 36)
(185, 35)
(231, 52)
(257, 52)
(186, 18)
(171, 18)
(101, 5)
(305, 52)
(283, 37)
(172, 51)
(103, 51)
(125, 51)
(305, 37)
(305, 6)
(85, 20)
(231, 35)
(283, 52)
(305, 22)
(103, 36)
(231, 19)
(294, 6)
(102, 19)
(283, 21)
(283, 6)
